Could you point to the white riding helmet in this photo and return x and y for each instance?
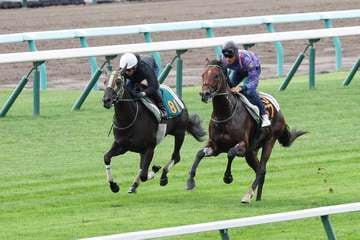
(129, 60)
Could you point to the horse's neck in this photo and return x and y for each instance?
(223, 105)
(125, 111)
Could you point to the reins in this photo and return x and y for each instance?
(228, 118)
(134, 119)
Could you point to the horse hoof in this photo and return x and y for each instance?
(228, 179)
(114, 187)
(133, 188)
(247, 197)
(164, 181)
(143, 177)
(190, 184)
(155, 168)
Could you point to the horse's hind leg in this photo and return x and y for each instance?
(150, 174)
(175, 158)
(253, 162)
(205, 152)
(265, 155)
(260, 170)
(115, 150)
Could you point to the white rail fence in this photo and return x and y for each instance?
(223, 226)
(180, 46)
(147, 29)
(177, 44)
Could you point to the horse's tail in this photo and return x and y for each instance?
(288, 137)
(195, 129)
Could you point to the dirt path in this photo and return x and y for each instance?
(74, 73)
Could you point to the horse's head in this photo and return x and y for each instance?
(114, 89)
(213, 80)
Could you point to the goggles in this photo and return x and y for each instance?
(228, 53)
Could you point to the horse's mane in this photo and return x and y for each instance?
(218, 63)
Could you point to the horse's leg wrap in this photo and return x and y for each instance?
(238, 150)
(108, 173)
(113, 185)
(248, 196)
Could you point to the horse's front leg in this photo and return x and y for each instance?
(175, 158)
(115, 150)
(228, 178)
(205, 152)
(238, 150)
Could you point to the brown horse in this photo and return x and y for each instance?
(135, 129)
(232, 130)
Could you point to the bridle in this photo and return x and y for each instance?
(216, 92)
(222, 76)
(118, 80)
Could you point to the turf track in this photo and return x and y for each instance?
(53, 183)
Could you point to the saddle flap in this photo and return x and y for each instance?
(171, 101)
(270, 104)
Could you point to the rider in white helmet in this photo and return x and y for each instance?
(129, 60)
(136, 69)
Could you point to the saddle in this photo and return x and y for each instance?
(270, 103)
(174, 106)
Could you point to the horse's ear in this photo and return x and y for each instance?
(123, 70)
(207, 61)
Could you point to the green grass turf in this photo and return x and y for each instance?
(53, 182)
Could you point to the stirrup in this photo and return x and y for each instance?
(163, 115)
(265, 121)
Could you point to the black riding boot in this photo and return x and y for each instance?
(162, 110)
(157, 99)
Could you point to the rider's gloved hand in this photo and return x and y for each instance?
(236, 89)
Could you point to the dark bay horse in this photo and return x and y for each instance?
(135, 130)
(232, 130)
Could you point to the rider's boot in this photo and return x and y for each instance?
(163, 112)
